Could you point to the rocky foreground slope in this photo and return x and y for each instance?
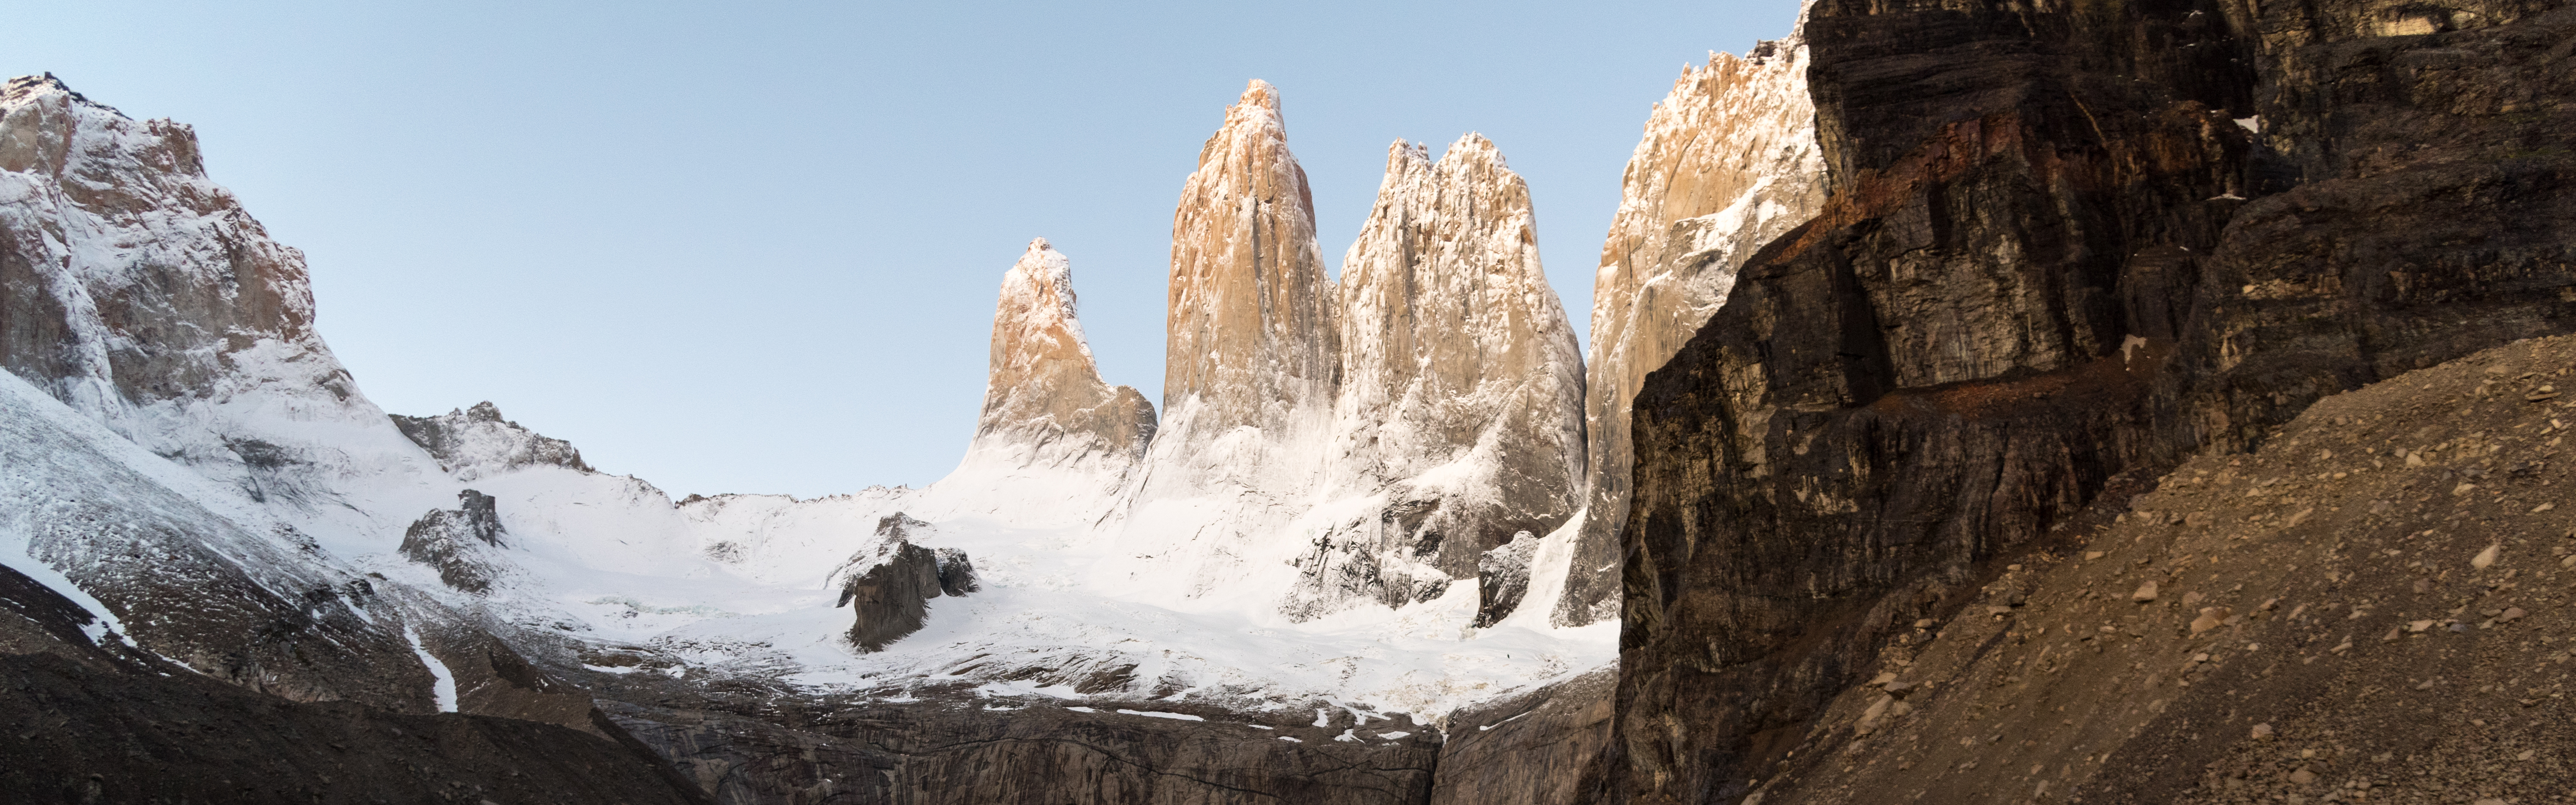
(2377, 604)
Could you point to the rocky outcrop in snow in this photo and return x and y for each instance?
(478, 441)
(1729, 161)
(1461, 403)
(889, 585)
(454, 541)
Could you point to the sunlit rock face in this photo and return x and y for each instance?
(1046, 407)
(1729, 161)
(1249, 380)
(1251, 367)
(1459, 418)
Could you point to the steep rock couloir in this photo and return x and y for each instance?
(2066, 247)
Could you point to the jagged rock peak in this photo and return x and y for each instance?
(1045, 404)
(1251, 334)
(1729, 161)
(478, 442)
(1462, 385)
(27, 87)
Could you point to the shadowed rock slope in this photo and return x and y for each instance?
(2059, 259)
(2378, 604)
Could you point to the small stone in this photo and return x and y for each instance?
(2262, 732)
(1899, 689)
(2543, 507)
(2092, 555)
(2414, 459)
(2463, 489)
(1883, 678)
(1925, 623)
(2192, 597)
(2527, 754)
(2383, 757)
(2303, 776)
(2210, 618)
(1998, 610)
(2146, 592)
(2489, 801)
(2419, 626)
(2511, 614)
(2270, 604)
(2013, 568)
(2487, 558)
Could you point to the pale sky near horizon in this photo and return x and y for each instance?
(755, 247)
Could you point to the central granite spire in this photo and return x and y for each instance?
(1252, 340)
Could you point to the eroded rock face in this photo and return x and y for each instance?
(1461, 392)
(457, 542)
(478, 442)
(1252, 343)
(1729, 161)
(1045, 407)
(2054, 265)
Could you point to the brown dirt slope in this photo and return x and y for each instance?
(2378, 605)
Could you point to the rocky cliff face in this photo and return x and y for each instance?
(1729, 161)
(2058, 259)
(1046, 410)
(1252, 356)
(1461, 388)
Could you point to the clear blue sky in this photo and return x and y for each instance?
(753, 247)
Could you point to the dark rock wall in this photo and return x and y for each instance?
(2053, 264)
(1541, 747)
(943, 747)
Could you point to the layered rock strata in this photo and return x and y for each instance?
(1461, 384)
(1729, 161)
(1045, 406)
(2059, 258)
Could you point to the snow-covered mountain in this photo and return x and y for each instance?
(1354, 490)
